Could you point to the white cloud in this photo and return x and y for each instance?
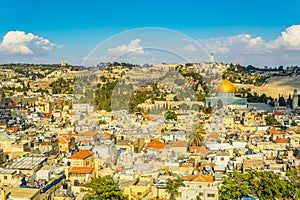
(222, 50)
(132, 47)
(246, 44)
(289, 39)
(242, 44)
(19, 42)
(189, 47)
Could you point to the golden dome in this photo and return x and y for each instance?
(225, 86)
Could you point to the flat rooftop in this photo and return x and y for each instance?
(7, 171)
(26, 163)
(21, 193)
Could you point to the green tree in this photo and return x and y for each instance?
(173, 186)
(270, 120)
(294, 179)
(136, 99)
(103, 188)
(102, 122)
(62, 86)
(103, 95)
(281, 101)
(170, 114)
(264, 185)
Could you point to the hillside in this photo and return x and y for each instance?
(275, 86)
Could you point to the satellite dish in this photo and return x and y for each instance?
(207, 168)
(57, 171)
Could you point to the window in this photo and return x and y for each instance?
(200, 193)
(5, 177)
(210, 195)
(222, 158)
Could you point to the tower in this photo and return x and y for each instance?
(212, 58)
(62, 63)
(295, 99)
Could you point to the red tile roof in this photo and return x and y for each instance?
(49, 115)
(81, 170)
(213, 136)
(82, 154)
(66, 137)
(179, 143)
(13, 129)
(200, 178)
(182, 114)
(155, 145)
(107, 134)
(89, 133)
(147, 117)
(281, 140)
(196, 149)
(278, 114)
(274, 131)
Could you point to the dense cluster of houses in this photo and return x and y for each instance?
(49, 148)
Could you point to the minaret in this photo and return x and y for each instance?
(62, 63)
(276, 103)
(212, 58)
(295, 99)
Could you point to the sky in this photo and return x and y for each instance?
(87, 32)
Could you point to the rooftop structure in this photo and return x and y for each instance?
(27, 163)
(7, 171)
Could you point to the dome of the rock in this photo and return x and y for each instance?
(225, 86)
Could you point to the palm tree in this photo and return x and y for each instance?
(173, 186)
(196, 137)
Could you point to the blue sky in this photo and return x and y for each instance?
(233, 30)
